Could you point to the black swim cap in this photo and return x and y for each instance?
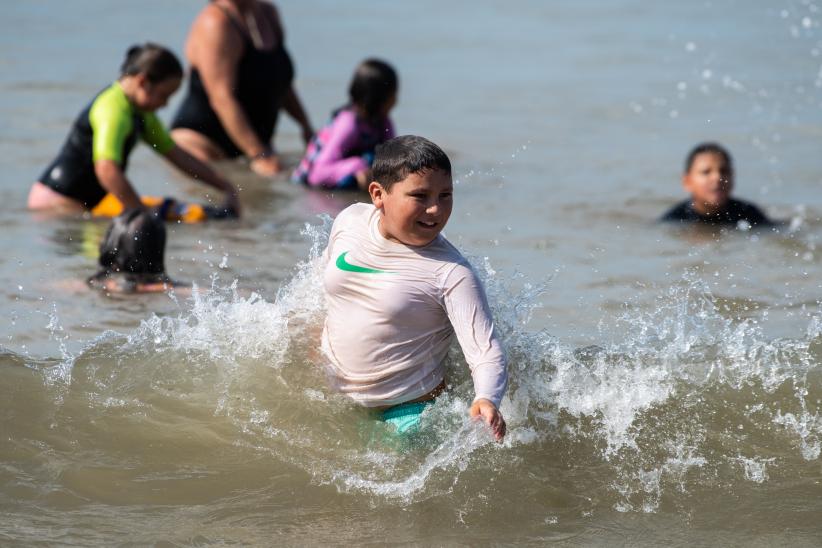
(134, 244)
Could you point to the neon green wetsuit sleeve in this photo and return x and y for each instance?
(111, 124)
(155, 134)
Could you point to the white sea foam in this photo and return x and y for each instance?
(756, 470)
(646, 402)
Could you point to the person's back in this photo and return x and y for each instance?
(709, 178)
(397, 292)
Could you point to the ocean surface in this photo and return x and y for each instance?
(666, 384)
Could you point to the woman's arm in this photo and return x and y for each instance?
(291, 103)
(196, 169)
(113, 180)
(294, 107)
(215, 48)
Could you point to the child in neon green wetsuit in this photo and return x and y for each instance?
(89, 171)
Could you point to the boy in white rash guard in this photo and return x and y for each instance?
(397, 291)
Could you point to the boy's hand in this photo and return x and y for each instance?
(487, 411)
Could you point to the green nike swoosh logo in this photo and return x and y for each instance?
(342, 264)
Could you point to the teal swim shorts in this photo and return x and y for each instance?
(405, 417)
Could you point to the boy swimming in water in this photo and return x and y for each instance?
(709, 178)
(397, 292)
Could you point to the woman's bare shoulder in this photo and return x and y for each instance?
(213, 22)
(213, 36)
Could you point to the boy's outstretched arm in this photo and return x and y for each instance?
(469, 313)
(485, 409)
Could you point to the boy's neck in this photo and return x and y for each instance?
(707, 209)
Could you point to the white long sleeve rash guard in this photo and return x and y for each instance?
(392, 311)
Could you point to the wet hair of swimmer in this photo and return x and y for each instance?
(709, 148)
(397, 158)
(155, 61)
(134, 245)
(373, 84)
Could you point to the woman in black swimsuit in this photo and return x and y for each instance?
(241, 75)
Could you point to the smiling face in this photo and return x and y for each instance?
(416, 209)
(709, 180)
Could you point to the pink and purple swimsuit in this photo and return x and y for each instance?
(341, 149)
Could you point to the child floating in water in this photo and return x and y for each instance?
(709, 178)
(341, 154)
(89, 171)
(397, 292)
(131, 255)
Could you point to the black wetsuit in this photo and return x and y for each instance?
(108, 128)
(734, 212)
(263, 80)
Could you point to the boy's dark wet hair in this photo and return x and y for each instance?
(710, 148)
(133, 246)
(401, 156)
(156, 62)
(374, 82)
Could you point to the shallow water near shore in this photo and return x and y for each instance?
(665, 388)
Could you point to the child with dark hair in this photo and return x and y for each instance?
(89, 172)
(709, 178)
(397, 292)
(131, 255)
(340, 155)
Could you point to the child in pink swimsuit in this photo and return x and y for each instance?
(341, 153)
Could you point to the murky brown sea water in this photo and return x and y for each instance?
(665, 385)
